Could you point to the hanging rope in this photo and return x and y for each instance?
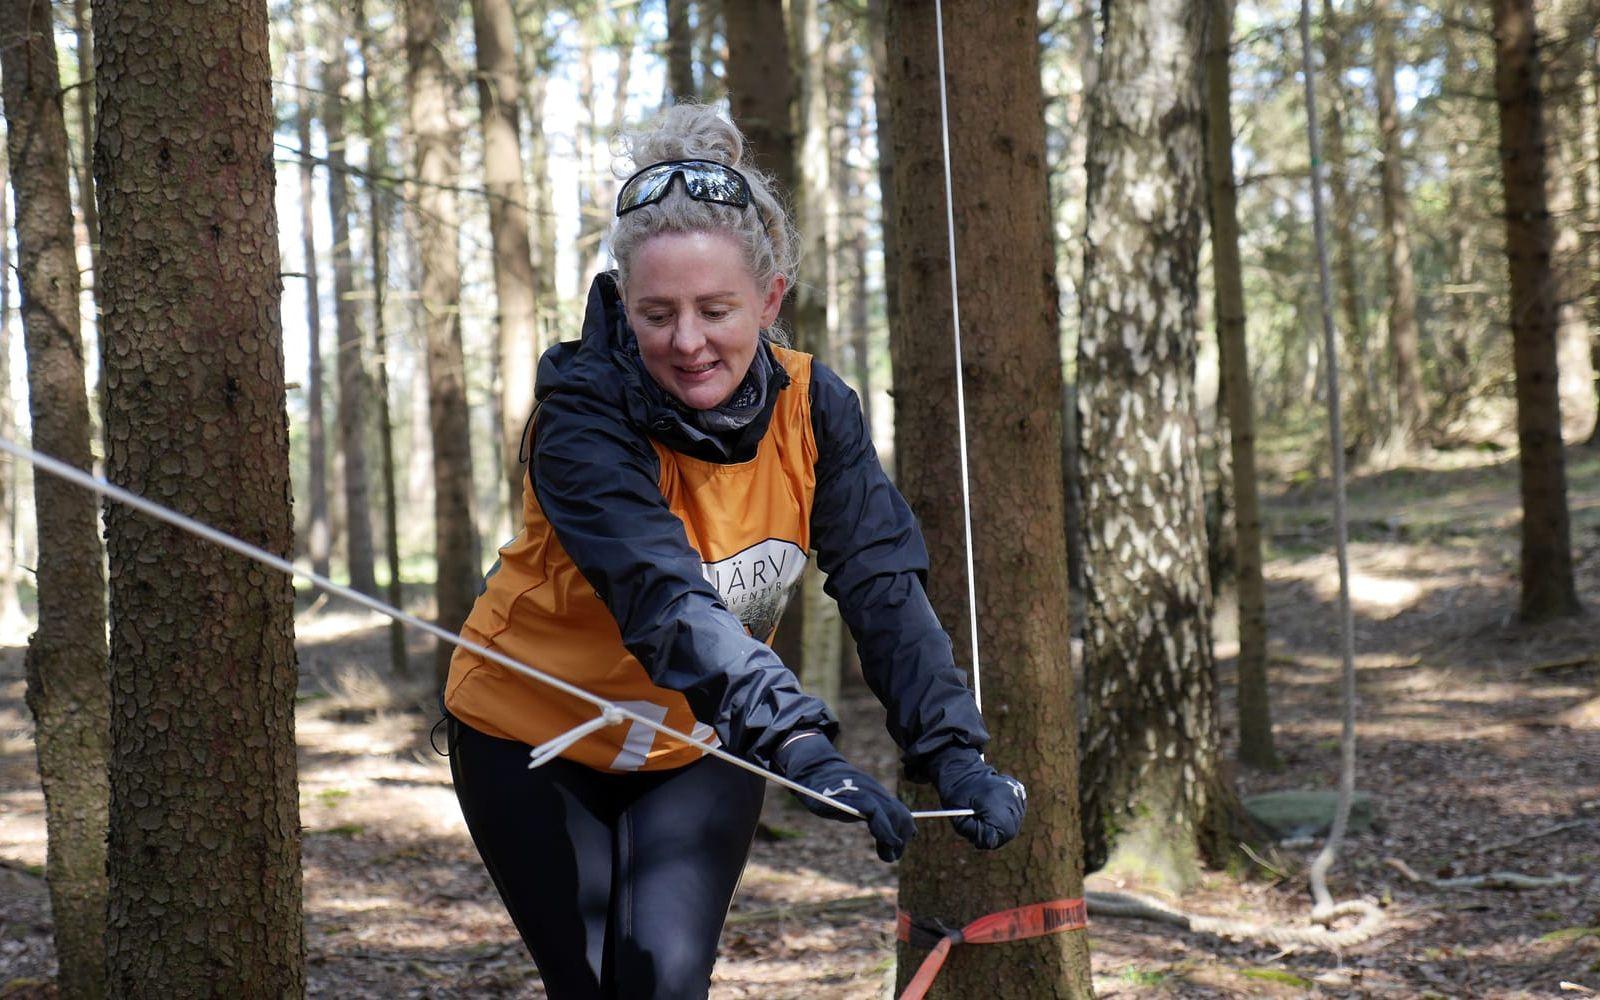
(610, 712)
(1330, 351)
(961, 389)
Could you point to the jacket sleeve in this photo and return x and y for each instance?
(596, 481)
(869, 545)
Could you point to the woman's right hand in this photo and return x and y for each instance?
(811, 760)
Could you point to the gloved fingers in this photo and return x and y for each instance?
(891, 826)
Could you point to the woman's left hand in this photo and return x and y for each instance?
(998, 801)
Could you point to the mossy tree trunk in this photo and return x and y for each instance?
(204, 847)
(1012, 366)
(66, 658)
(1151, 748)
(1410, 406)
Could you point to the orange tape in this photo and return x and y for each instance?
(1035, 920)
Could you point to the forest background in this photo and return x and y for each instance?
(443, 184)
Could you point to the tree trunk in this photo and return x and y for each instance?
(205, 828)
(85, 96)
(1548, 589)
(355, 387)
(499, 105)
(1457, 374)
(1255, 708)
(877, 24)
(1013, 376)
(319, 541)
(1151, 750)
(761, 91)
(431, 101)
(1410, 406)
(680, 52)
(1358, 355)
(66, 659)
(380, 210)
(1591, 156)
(537, 68)
(1565, 65)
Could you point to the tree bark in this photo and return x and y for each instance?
(1151, 769)
(1410, 406)
(1591, 156)
(1548, 590)
(66, 659)
(355, 386)
(85, 96)
(1255, 707)
(319, 533)
(1012, 365)
(12, 620)
(1564, 65)
(499, 105)
(538, 66)
(431, 101)
(205, 829)
(680, 52)
(380, 210)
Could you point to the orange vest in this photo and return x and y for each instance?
(750, 522)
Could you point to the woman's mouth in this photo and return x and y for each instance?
(697, 373)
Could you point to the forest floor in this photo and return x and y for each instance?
(1479, 739)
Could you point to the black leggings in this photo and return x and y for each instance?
(618, 883)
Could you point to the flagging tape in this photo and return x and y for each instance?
(1034, 920)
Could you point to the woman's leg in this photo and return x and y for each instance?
(546, 836)
(681, 847)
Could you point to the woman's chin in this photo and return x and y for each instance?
(703, 395)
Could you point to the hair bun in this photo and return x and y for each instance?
(684, 131)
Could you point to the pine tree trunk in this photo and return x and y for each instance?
(536, 68)
(85, 97)
(1255, 708)
(355, 386)
(1410, 406)
(66, 659)
(319, 540)
(499, 105)
(205, 829)
(1565, 65)
(1456, 371)
(380, 210)
(1012, 364)
(1358, 355)
(431, 101)
(1548, 590)
(1151, 784)
(680, 52)
(761, 92)
(877, 25)
(1591, 156)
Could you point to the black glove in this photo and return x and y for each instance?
(811, 760)
(997, 800)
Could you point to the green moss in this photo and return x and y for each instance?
(1569, 934)
(331, 797)
(1144, 977)
(346, 830)
(1279, 976)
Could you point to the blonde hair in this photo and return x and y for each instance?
(689, 131)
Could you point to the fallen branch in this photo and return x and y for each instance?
(1535, 835)
(1321, 935)
(451, 958)
(1514, 881)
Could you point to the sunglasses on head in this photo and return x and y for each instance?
(703, 180)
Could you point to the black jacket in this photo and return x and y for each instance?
(595, 476)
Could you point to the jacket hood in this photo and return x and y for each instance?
(605, 365)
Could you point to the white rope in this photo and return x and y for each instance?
(608, 709)
(1330, 353)
(961, 393)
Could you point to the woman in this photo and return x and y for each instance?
(681, 467)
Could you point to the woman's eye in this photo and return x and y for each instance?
(715, 314)
(656, 319)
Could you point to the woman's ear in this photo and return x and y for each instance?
(774, 300)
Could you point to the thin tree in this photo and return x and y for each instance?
(355, 386)
(1012, 355)
(1590, 110)
(380, 210)
(1548, 589)
(85, 97)
(535, 69)
(319, 533)
(1565, 56)
(1151, 755)
(11, 617)
(431, 97)
(499, 108)
(204, 846)
(1255, 708)
(1409, 404)
(66, 659)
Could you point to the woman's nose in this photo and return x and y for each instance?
(687, 335)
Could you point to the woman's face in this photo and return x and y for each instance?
(698, 314)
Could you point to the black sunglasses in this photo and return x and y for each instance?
(703, 180)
